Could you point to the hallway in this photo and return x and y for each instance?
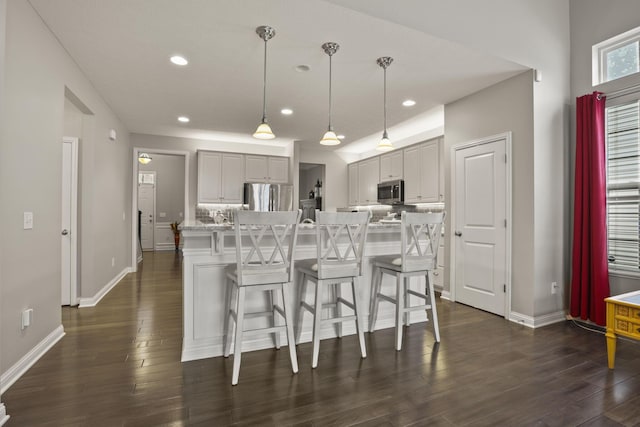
(119, 365)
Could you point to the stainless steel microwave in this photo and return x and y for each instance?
(391, 192)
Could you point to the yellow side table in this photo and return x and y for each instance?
(623, 318)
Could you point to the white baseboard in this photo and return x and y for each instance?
(538, 321)
(3, 415)
(445, 295)
(21, 366)
(94, 300)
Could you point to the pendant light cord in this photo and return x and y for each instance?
(330, 58)
(264, 86)
(385, 99)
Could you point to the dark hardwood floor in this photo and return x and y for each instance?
(119, 365)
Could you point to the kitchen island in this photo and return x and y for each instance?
(209, 248)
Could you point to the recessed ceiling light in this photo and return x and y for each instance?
(179, 60)
(340, 136)
(302, 68)
(409, 103)
(287, 111)
(183, 119)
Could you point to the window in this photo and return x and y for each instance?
(623, 186)
(616, 57)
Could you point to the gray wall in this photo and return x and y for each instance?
(507, 106)
(593, 21)
(169, 185)
(37, 70)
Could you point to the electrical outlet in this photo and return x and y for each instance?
(113, 261)
(554, 287)
(28, 221)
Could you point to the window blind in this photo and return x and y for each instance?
(623, 186)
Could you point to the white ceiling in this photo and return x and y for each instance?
(123, 47)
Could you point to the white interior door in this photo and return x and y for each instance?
(69, 221)
(147, 205)
(480, 225)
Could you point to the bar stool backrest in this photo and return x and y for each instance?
(340, 238)
(265, 252)
(420, 237)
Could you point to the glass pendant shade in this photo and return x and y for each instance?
(385, 143)
(144, 158)
(263, 132)
(330, 138)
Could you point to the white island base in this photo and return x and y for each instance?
(208, 249)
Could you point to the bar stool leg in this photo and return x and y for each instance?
(300, 309)
(289, 324)
(237, 348)
(399, 310)
(226, 339)
(317, 317)
(363, 348)
(407, 314)
(434, 312)
(337, 289)
(373, 310)
(273, 298)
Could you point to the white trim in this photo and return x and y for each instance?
(28, 360)
(73, 279)
(94, 300)
(538, 321)
(506, 136)
(3, 414)
(446, 295)
(134, 195)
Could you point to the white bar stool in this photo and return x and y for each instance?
(340, 238)
(420, 237)
(275, 233)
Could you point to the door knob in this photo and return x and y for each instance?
(65, 232)
(458, 233)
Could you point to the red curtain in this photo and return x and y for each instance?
(590, 271)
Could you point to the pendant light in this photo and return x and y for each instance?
(385, 143)
(330, 137)
(264, 130)
(144, 158)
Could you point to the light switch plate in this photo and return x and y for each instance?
(28, 220)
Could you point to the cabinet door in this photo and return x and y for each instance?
(353, 184)
(209, 174)
(232, 178)
(368, 178)
(430, 172)
(256, 169)
(391, 166)
(278, 170)
(412, 176)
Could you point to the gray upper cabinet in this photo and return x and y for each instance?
(363, 182)
(353, 184)
(422, 173)
(391, 166)
(267, 169)
(220, 177)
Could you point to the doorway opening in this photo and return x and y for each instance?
(165, 202)
(310, 189)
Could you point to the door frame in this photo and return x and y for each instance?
(506, 136)
(73, 237)
(134, 194)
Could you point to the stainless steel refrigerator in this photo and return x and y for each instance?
(268, 197)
